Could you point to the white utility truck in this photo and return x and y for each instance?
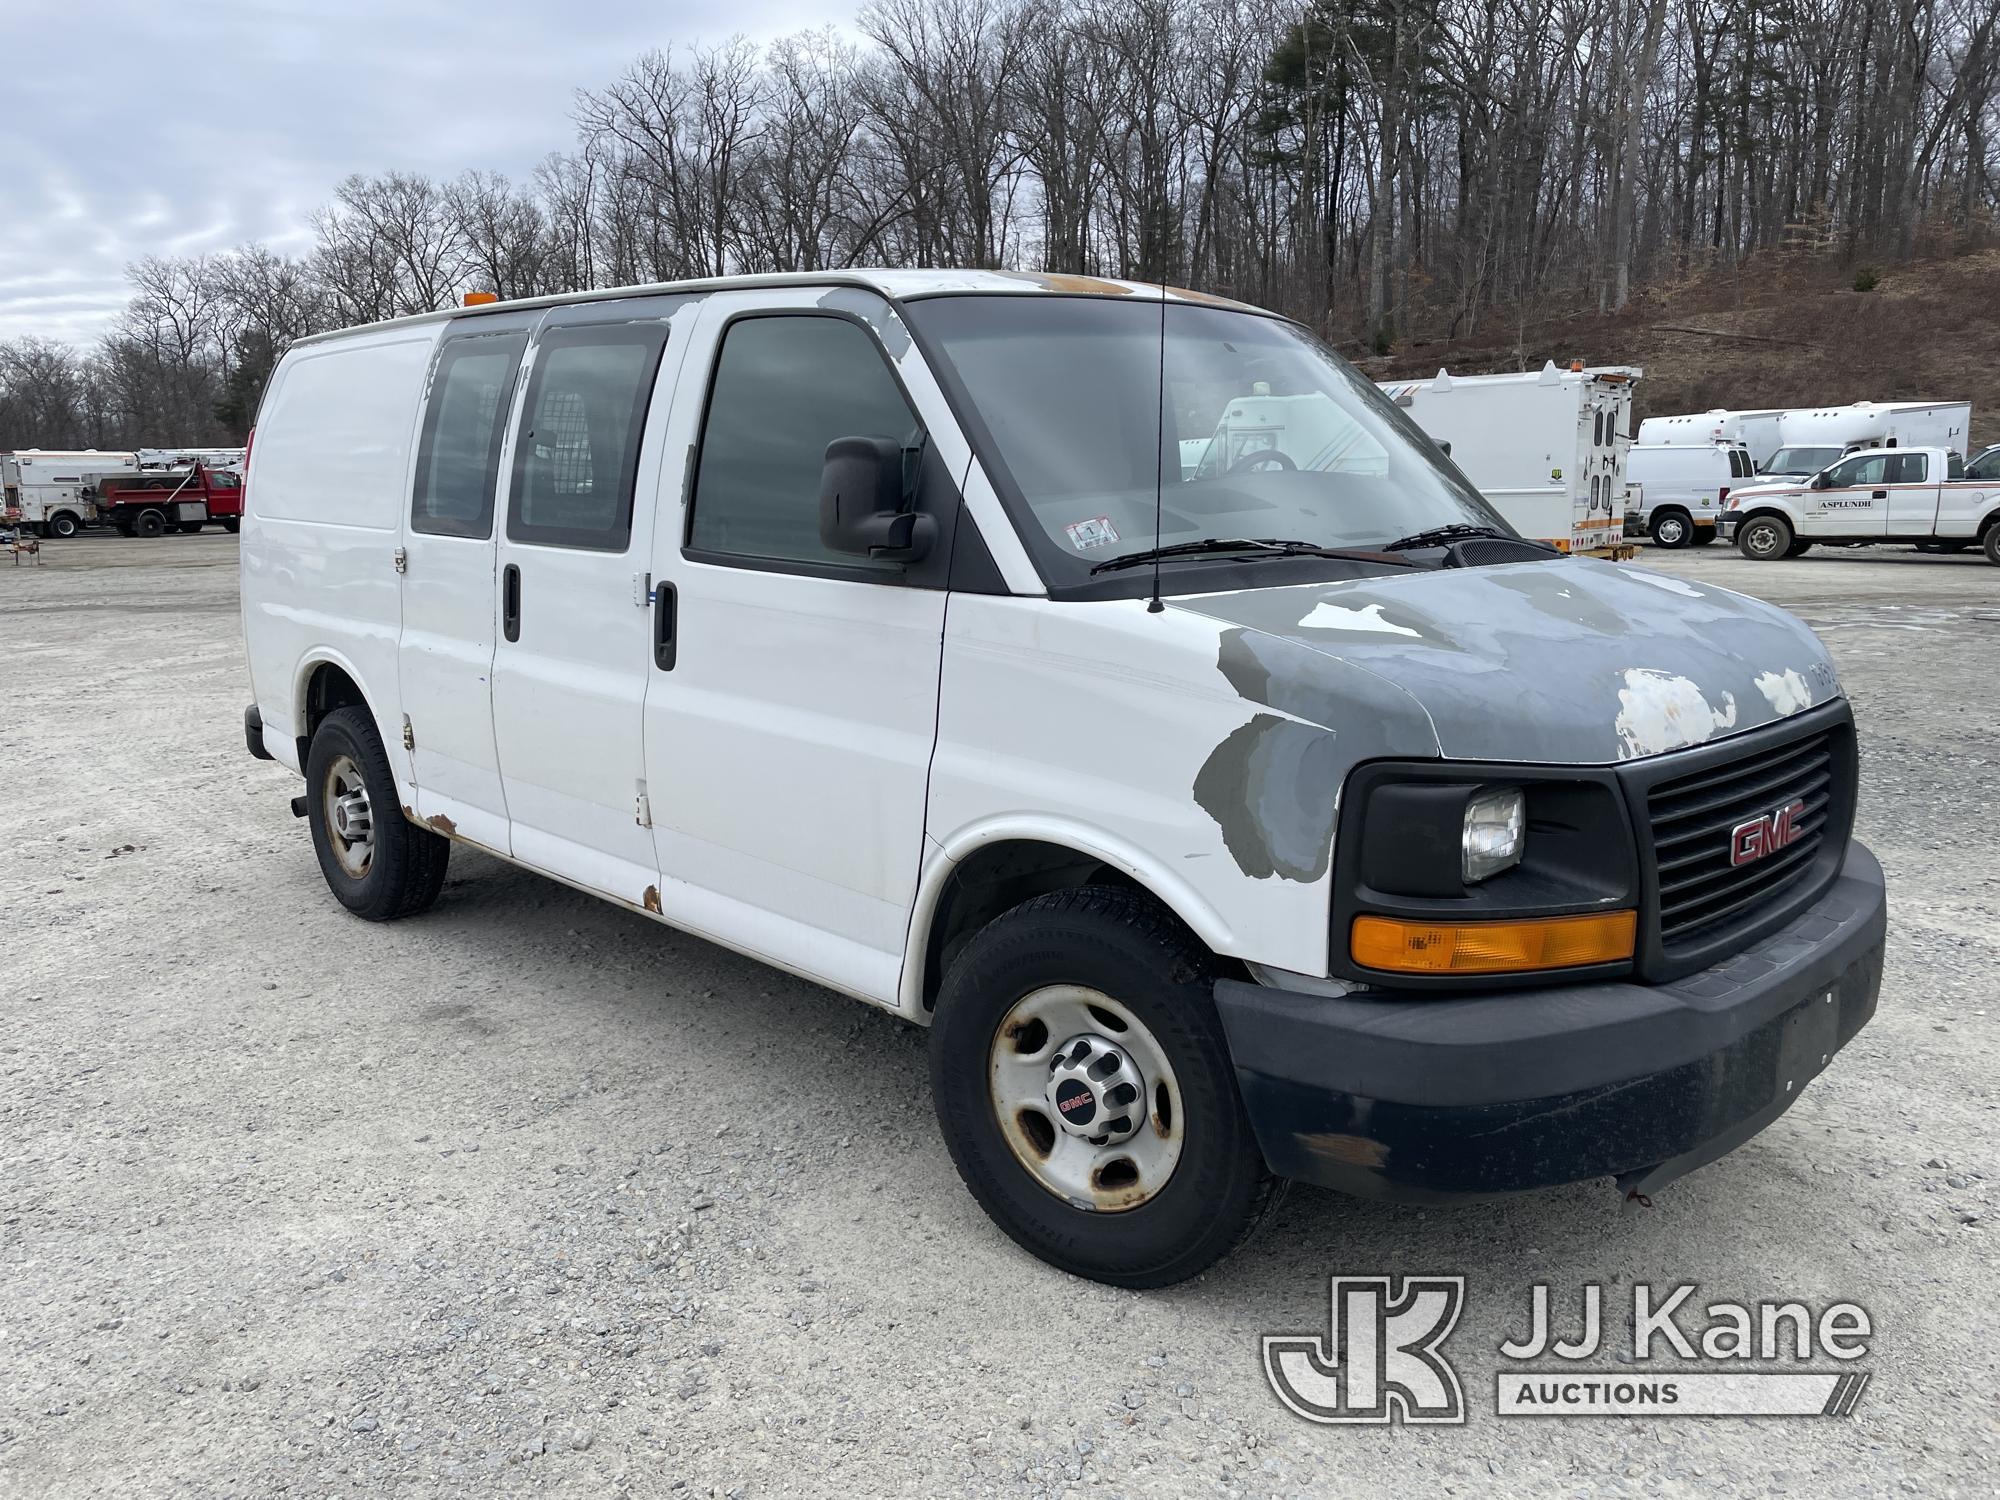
(53, 492)
(1546, 447)
(1291, 819)
(1901, 495)
(1757, 431)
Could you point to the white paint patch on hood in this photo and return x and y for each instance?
(1369, 617)
(1786, 692)
(1661, 581)
(1658, 711)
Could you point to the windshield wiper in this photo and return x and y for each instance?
(1254, 547)
(1444, 536)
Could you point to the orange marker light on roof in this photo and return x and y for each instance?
(480, 299)
(1409, 947)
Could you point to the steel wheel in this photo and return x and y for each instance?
(1086, 1098)
(350, 823)
(1764, 538)
(1671, 531)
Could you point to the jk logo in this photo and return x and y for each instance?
(1381, 1361)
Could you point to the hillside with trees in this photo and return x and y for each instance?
(1467, 182)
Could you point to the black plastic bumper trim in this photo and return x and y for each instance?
(1474, 1095)
(253, 733)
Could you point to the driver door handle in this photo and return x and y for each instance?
(1881, 495)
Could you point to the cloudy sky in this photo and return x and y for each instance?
(172, 127)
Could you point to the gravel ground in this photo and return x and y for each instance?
(531, 1195)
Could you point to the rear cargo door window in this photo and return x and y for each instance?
(458, 462)
(577, 457)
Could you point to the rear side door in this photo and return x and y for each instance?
(571, 663)
(445, 658)
(793, 707)
(1913, 494)
(1855, 501)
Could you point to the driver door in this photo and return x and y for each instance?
(1855, 499)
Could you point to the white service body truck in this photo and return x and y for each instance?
(1292, 819)
(1757, 431)
(53, 492)
(1916, 496)
(1546, 447)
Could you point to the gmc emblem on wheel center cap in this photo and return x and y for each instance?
(1768, 834)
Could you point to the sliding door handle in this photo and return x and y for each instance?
(510, 602)
(665, 603)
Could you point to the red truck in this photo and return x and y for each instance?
(150, 504)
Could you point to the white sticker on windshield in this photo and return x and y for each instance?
(1096, 532)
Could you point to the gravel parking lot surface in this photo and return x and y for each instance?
(530, 1194)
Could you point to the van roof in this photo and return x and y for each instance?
(893, 284)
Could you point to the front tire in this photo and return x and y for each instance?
(1764, 538)
(377, 863)
(62, 525)
(1175, 1180)
(1671, 529)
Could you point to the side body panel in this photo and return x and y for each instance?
(329, 480)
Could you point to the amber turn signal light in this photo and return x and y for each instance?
(1403, 947)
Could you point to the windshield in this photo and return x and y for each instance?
(1263, 432)
(1800, 460)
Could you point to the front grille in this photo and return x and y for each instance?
(1693, 816)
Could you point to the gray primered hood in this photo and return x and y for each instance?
(1568, 661)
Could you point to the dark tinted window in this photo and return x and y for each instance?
(458, 460)
(577, 456)
(786, 387)
(1986, 466)
(1906, 468)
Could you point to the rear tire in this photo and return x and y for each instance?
(149, 523)
(1704, 536)
(1671, 529)
(1764, 538)
(378, 864)
(1989, 543)
(1163, 1200)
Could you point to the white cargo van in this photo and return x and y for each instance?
(1288, 819)
(1683, 489)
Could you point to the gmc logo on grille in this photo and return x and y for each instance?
(1751, 841)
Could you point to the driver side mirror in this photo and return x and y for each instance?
(863, 500)
(1822, 481)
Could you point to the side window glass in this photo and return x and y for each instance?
(576, 459)
(458, 455)
(1906, 468)
(784, 388)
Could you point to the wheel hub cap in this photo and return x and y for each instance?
(1095, 1090)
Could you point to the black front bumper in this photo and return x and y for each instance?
(1434, 1097)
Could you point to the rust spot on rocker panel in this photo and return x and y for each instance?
(651, 900)
(443, 825)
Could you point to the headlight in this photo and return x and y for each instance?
(1496, 827)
